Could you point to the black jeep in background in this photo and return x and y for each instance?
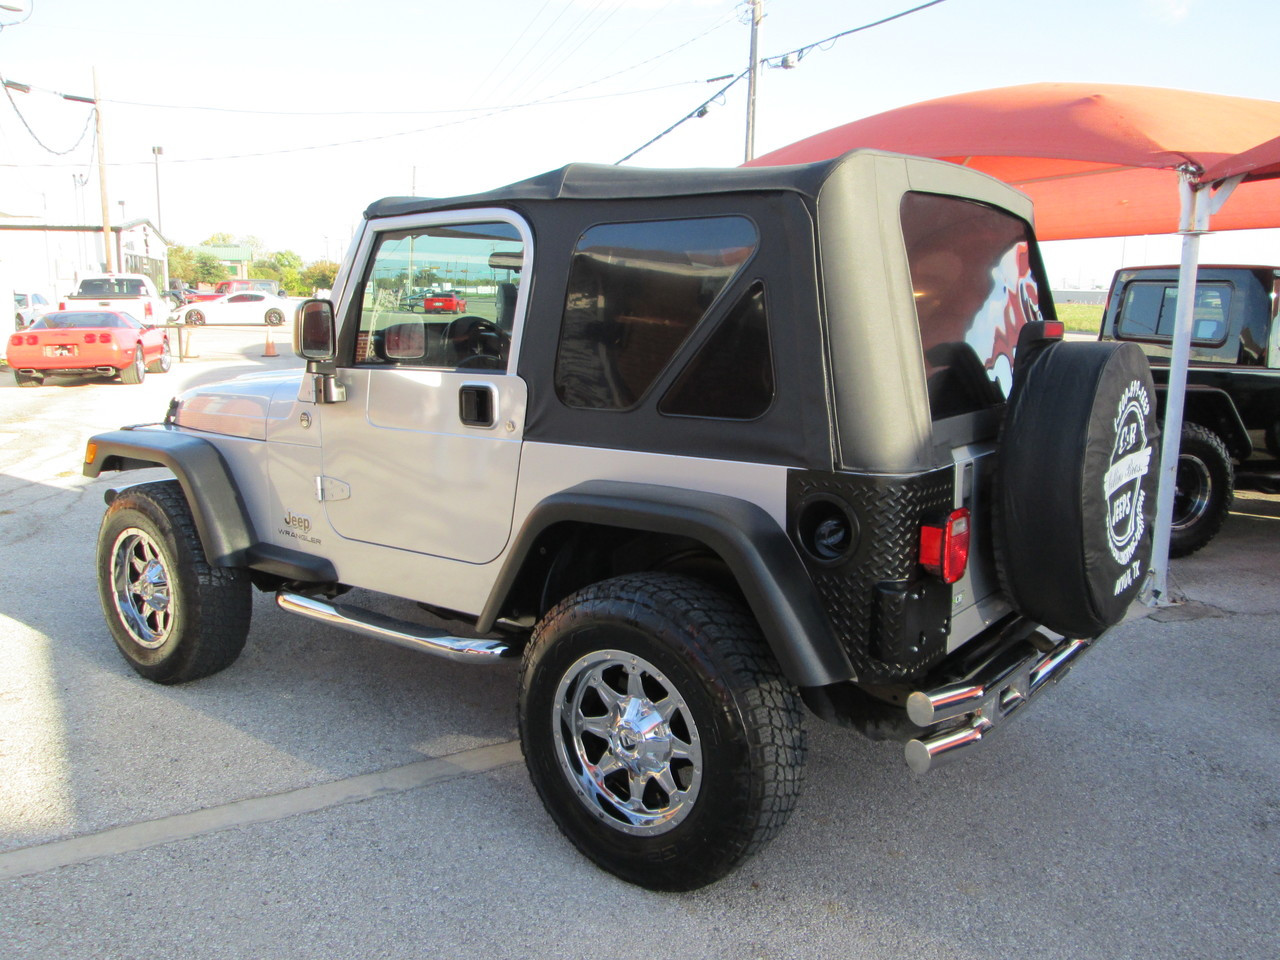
(1232, 412)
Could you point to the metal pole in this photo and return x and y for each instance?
(1176, 393)
(156, 152)
(102, 177)
(753, 72)
(1199, 202)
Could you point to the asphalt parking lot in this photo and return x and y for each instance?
(331, 797)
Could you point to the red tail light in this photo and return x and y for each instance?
(62, 304)
(32, 339)
(15, 340)
(104, 338)
(148, 309)
(90, 338)
(944, 550)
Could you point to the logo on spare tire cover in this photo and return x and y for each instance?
(1130, 462)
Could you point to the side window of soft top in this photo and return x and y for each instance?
(636, 292)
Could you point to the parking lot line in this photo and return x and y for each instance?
(184, 826)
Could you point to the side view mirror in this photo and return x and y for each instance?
(314, 331)
(315, 340)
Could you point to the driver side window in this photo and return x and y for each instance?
(441, 297)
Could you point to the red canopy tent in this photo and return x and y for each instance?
(1100, 161)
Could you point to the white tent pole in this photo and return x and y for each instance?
(1192, 222)
(1198, 203)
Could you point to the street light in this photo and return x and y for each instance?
(156, 153)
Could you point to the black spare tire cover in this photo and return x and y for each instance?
(1076, 477)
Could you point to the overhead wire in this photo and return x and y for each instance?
(479, 88)
(537, 75)
(36, 137)
(386, 136)
(554, 97)
(699, 111)
(801, 52)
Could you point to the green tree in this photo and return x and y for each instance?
(286, 260)
(182, 264)
(219, 240)
(320, 275)
(208, 269)
(264, 269)
(253, 243)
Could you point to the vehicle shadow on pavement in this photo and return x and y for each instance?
(1073, 838)
(304, 704)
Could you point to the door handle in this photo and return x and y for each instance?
(478, 404)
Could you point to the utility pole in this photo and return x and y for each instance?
(102, 176)
(753, 72)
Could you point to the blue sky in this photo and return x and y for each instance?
(456, 97)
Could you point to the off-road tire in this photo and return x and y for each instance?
(134, 373)
(174, 616)
(698, 653)
(164, 362)
(1203, 491)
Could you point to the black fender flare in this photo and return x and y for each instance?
(222, 520)
(1215, 410)
(221, 517)
(755, 548)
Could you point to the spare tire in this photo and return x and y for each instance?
(1076, 475)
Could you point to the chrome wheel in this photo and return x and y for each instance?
(142, 588)
(626, 740)
(1193, 491)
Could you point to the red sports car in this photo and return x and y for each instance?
(448, 302)
(87, 343)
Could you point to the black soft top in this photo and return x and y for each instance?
(592, 181)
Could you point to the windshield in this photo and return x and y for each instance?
(80, 319)
(111, 287)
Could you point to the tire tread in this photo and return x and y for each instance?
(217, 624)
(748, 683)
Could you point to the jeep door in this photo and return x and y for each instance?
(424, 453)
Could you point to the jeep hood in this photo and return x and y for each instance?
(238, 408)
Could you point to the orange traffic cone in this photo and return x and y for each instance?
(271, 347)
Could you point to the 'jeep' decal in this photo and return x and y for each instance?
(298, 527)
(1122, 483)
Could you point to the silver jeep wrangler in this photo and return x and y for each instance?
(706, 445)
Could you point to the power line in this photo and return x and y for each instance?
(388, 136)
(699, 111)
(802, 52)
(799, 53)
(9, 85)
(475, 91)
(554, 97)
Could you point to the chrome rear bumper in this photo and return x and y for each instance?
(992, 692)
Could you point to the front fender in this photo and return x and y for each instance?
(767, 568)
(219, 511)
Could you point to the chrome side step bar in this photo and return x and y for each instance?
(996, 691)
(400, 632)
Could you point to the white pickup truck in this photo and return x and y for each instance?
(131, 293)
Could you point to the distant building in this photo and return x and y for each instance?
(233, 256)
(50, 258)
(1080, 296)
